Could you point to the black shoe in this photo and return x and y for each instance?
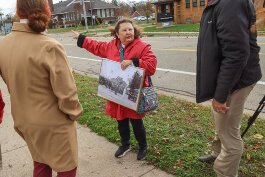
(122, 151)
(207, 159)
(141, 154)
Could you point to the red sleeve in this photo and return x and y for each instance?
(2, 105)
(97, 48)
(148, 61)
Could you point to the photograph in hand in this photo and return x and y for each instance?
(120, 86)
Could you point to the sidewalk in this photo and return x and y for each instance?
(96, 154)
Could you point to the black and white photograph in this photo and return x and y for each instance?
(120, 86)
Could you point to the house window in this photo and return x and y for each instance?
(112, 13)
(107, 12)
(202, 2)
(194, 3)
(168, 8)
(98, 13)
(103, 13)
(187, 3)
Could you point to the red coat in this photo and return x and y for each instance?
(2, 105)
(137, 49)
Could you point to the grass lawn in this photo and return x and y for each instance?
(177, 133)
(175, 28)
(91, 29)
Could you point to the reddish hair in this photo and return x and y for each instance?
(36, 11)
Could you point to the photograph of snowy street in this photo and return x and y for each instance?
(122, 87)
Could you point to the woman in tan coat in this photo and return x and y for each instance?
(42, 89)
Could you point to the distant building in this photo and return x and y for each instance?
(179, 11)
(259, 5)
(70, 12)
(1, 19)
(51, 4)
(190, 11)
(136, 14)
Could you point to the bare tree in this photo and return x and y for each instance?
(147, 8)
(124, 10)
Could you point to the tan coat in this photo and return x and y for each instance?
(43, 95)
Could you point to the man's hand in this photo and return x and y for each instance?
(125, 64)
(219, 107)
(75, 34)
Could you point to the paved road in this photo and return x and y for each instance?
(176, 65)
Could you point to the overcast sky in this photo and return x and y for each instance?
(8, 6)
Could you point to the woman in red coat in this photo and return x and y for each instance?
(136, 52)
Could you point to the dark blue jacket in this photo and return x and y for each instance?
(227, 51)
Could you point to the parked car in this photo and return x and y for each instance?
(141, 18)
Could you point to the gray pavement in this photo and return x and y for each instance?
(96, 154)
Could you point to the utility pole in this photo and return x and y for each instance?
(91, 11)
(82, 2)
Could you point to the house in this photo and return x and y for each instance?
(190, 11)
(136, 14)
(260, 10)
(179, 11)
(51, 4)
(70, 13)
(1, 20)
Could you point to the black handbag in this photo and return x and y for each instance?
(148, 99)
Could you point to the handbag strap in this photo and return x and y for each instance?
(121, 52)
(150, 81)
(122, 58)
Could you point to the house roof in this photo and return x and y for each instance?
(69, 6)
(61, 7)
(136, 14)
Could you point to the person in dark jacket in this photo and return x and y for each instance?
(227, 70)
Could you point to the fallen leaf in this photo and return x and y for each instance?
(248, 156)
(258, 136)
(257, 146)
(166, 139)
(158, 153)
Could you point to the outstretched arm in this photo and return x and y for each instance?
(97, 48)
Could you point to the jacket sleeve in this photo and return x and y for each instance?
(233, 35)
(97, 48)
(62, 82)
(148, 61)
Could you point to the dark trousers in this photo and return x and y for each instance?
(138, 130)
(43, 170)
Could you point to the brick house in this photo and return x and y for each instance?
(179, 11)
(190, 11)
(259, 5)
(70, 13)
